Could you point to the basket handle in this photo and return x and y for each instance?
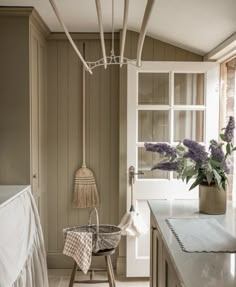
(94, 210)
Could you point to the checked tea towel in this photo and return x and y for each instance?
(78, 245)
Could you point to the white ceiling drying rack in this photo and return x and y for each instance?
(112, 59)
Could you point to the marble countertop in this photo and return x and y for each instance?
(9, 192)
(196, 269)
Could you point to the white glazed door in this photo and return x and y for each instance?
(166, 102)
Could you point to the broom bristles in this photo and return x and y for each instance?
(85, 189)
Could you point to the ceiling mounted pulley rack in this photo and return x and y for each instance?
(112, 59)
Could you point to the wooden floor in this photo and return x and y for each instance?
(60, 278)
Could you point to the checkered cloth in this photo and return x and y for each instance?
(78, 245)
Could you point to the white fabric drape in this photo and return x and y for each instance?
(22, 253)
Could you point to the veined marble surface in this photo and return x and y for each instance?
(196, 269)
(9, 192)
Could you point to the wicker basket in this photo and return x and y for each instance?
(105, 236)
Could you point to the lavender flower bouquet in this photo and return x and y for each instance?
(190, 159)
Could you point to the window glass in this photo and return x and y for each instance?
(153, 89)
(146, 160)
(153, 126)
(189, 124)
(189, 89)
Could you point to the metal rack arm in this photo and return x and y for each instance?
(99, 13)
(54, 6)
(143, 30)
(126, 12)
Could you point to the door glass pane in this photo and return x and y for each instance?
(153, 126)
(189, 89)
(189, 124)
(153, 89)
(146, 160)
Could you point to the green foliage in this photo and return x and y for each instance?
(191, 161)
(211, 170)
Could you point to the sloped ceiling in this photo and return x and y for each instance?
(197, 25)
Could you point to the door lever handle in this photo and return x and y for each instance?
(132, 174)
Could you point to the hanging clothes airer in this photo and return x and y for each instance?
(85, 189)
(132, 223)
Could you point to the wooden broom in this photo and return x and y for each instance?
(85, 189)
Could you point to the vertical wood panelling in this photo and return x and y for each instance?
(105, 94)
(114, 141)
(155, 50)
(102, 131)
(52, 146)
(93, 113)
(74, 130)
(65, 138)
(63, 204)
(93, 51)
(34, 114)
(158, 50)
(43, 136)
(147, 53)
(14, 104)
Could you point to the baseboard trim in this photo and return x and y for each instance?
(121, 266)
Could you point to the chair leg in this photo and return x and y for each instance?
(113, 280)
(108, 271)
(72, 277)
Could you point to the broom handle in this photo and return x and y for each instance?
(84, 164)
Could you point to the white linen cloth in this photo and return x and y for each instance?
(132, 224)
(22, 253)
(202, 235)
(78, 245)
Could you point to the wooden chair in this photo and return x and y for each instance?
(109, 270)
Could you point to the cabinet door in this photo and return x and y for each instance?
(156, 259)
(38, 122)
(34, 117)
(169, 275)
(42, 127)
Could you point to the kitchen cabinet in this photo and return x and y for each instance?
(162, 271)
(171, 266)
(23, 98)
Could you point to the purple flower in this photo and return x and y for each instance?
(229, 130)
(194, 146)
(195, 151)
(200, 156)
(161, 148)
(169, 166)
(217, 153)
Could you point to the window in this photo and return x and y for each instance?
(228, 108)
(171, 107)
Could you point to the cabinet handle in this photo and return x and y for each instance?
(35, 175)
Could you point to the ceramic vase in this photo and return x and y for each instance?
(212, 199)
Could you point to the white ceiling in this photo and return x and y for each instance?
(198, 25)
